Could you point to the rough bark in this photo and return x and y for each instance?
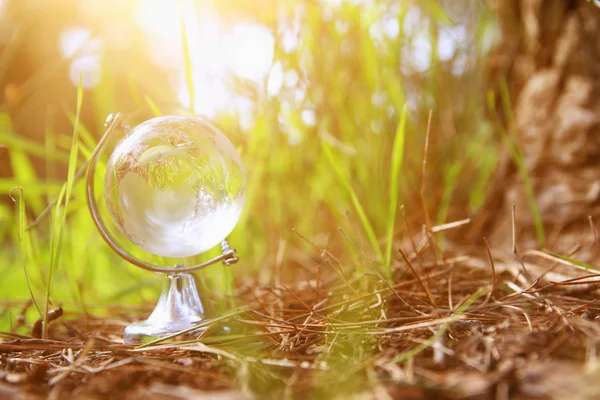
(550, 56)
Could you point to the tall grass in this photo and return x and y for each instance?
(60, 211)
(23, 240)
(187, 63)
(511, 141)
(364, 219)
(348, 167)
(397, 156)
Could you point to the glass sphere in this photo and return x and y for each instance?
(175, 186)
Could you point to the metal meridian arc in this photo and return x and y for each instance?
(228, 257)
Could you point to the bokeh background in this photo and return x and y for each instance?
(312, 94)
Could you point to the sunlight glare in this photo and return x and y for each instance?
(308, 117)
(449, 39)
(85, 52)
(275, 80)
(211, 95)
(78, 41)
(161, 21)
(250, 50)
(88, 68)
(289, 40)
(216, 49)
(418, 52)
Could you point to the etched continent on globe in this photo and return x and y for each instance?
(175, 186)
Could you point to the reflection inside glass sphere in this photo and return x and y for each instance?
(175, 186)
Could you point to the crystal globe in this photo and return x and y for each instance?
(175, 186)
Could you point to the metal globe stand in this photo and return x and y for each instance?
(179, 308)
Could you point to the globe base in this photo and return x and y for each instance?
(178, 310)
(142, 332)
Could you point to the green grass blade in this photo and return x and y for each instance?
(38, 187)
(355, 202)
(518, 159)
(450, 180)
(442, 330)
(573, 261)
(153, 107)
(59, 220)
(16, 142)
(54, 251)
(50, 144)
(23, 235)
(24, 170)
(206, 322)
(397, 157)
(436, 10)
(86, 136)
(187, 60)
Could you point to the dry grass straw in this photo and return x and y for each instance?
(490, 323)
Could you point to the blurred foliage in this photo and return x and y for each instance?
(328, 111)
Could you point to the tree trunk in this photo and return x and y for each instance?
(550, 56)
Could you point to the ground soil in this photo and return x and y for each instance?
(462, 326)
